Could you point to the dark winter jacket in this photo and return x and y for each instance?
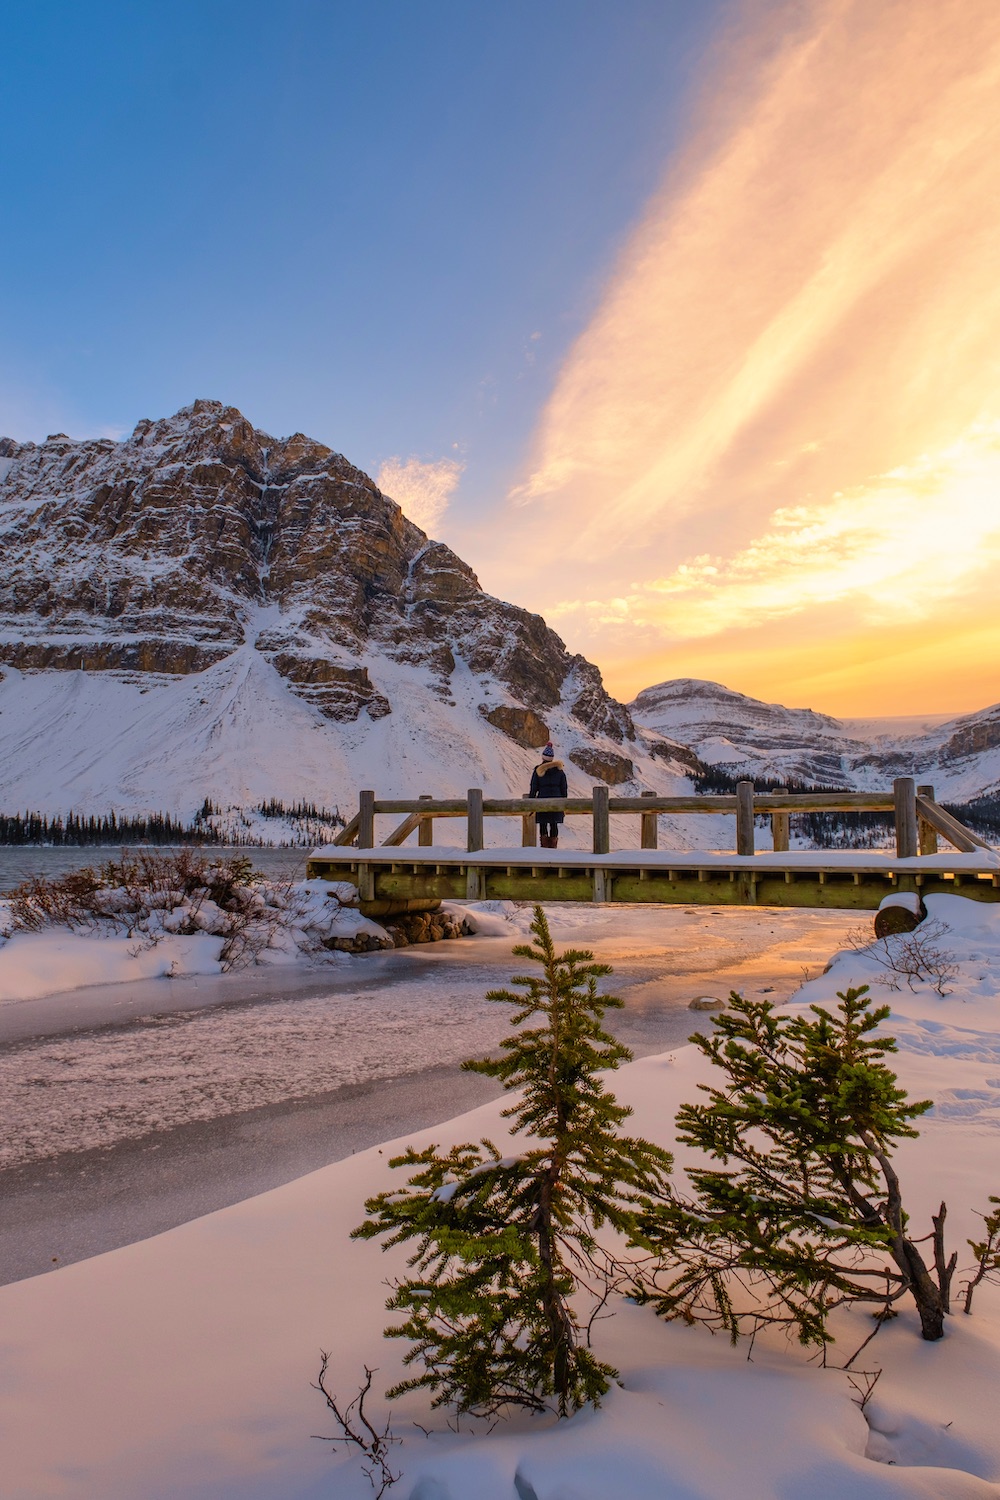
(549, 780)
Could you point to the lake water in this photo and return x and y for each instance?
(129, 1108)
(21, 861)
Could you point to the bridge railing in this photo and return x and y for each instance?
(918, 819)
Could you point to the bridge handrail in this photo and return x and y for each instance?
(918, 818)
(764, 802)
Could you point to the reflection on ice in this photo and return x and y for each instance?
(99, 1067)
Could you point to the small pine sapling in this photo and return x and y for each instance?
(987, 1253)
(805, 1211)
(504, 1243)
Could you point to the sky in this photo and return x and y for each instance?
(678, 320)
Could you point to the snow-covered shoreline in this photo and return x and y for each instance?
(180, 1366)
(309, 922)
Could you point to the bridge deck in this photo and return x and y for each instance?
(388, 878)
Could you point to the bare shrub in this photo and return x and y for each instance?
(357, 1432)
(917, 956)
(147, 892)
(987, 1253)
(66, 902)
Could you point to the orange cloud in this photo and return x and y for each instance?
(421, 489)
(788, 398)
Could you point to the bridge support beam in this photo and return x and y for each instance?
(425, 834)
(926, 832)
(648, 835)
(904, 796)
(744, 817)
(475, 819)
(602, 821)
(780, 827)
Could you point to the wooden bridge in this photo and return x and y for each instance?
(391, 879)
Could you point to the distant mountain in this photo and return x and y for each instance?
(959, 756)
(203, 610)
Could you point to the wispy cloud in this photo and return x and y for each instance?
(423, 490)
(894, 549)
(812, 300)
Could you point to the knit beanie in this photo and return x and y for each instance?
(548, 753)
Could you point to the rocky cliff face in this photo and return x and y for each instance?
(168, 557)
(743, 736)
(158, 554)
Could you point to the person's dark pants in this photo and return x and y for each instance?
(548, 825)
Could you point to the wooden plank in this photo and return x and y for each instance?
(475, 883)
(744, 817)
(366, 882)
(955, 832)
(842, 889)
(824, 801)
(602, 823)
(438, 807)
(366, 822)
(402, 833)
(529, 830)
(905, 813)
(425, 837)
(600, 884)
(927, 838)
(649, 831)
(474, 817)
(348, 833)
(495, 807)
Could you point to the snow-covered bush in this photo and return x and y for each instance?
(147, 894)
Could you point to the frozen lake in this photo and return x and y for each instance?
(20, 861)
(126, 1109)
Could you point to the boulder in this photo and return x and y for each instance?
(604, 764)
(522, 725)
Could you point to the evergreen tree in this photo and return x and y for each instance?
(805, 1211)
(502, 1243)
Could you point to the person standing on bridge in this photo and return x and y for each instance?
(548, 780)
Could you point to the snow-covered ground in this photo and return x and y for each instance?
(181, 1366)
(295, 922)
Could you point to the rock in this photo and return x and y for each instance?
(604, 764)
(903, 911)
(706, 1002)
(153, 555)
(522, 725)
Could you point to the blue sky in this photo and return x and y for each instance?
(348, 219)
(681, 316)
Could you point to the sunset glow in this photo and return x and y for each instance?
(773, 456)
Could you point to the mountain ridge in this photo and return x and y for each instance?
(204, 610)
(741, 735)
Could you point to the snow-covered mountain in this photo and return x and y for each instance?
(959, 756)
(202, 610)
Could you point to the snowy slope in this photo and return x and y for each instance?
(179, 1368)
(960, 755)
(204, 611)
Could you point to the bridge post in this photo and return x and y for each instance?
(904, 796)
(927, 839)
(602, 820)
(366, 820)
(528, 830)
(744, 817)
(648, 835)
(780, 827)
(425, 833)
(474, 816)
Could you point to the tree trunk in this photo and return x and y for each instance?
(553, 1308)
(927, 1296)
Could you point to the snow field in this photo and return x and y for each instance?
(180, 1366)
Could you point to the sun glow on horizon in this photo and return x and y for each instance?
(779, 436)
